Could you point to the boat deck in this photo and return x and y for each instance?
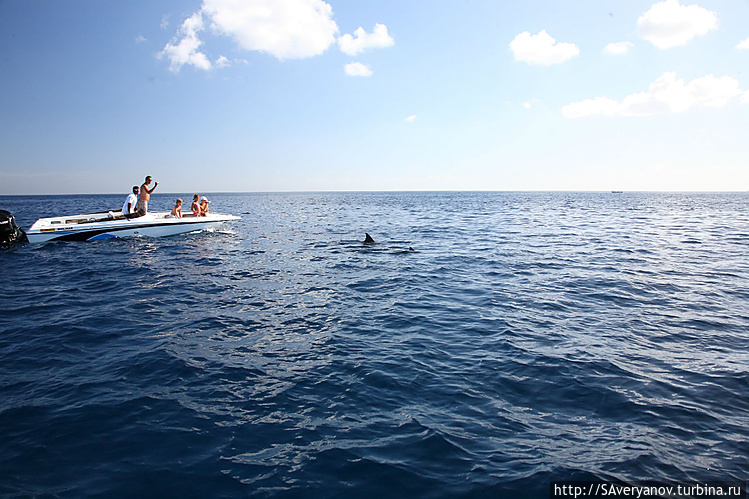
(101, 225)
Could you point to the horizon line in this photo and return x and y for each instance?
(343, 191)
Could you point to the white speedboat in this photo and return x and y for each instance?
(94, 226)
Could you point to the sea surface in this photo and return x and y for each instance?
(528, 337)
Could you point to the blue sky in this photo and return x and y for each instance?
(288, 95)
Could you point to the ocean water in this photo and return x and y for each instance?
(529, 337)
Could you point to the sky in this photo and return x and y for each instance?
(355, 95)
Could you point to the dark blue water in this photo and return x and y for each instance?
(529, 337)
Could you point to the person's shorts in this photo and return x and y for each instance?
(141, 207)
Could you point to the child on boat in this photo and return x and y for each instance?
(195, 207)
(177, 210)
(204, 206)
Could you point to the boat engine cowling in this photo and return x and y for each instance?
(10, 232)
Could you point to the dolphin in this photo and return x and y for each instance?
(369, 241)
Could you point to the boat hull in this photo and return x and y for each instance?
(95, 226)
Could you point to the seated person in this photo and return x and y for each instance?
(128, 209)
(204, 206)
(195, 207)
(177, 210)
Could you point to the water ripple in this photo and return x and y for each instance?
(529, 337)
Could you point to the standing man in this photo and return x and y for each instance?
(128, 209)
(145, 195)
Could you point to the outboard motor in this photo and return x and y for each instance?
(10, 232)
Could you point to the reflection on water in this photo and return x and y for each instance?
(530, 337)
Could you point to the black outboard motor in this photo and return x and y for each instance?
(9, 231)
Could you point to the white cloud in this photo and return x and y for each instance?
(618, 48)
(411, 118)
(361, 41)
(223, 62)
(541, 49)
(285, 29)
(669, 24)
(666, 95)
(140, 39)
(743, 45)
(185, 51)
(357, 69)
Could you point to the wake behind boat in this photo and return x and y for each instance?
(94, 226)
